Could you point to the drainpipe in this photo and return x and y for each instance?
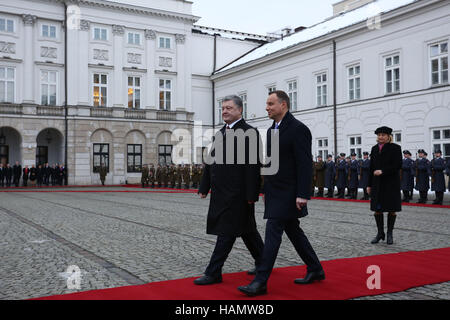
(66, 129)
(213, 83)
(334, 99)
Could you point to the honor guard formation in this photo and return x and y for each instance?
(172, 176)
(351, 174)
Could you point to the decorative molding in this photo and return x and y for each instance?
(7, 59)
(29, 19)
(85, 25)
(134, 58)
(150, 34)
(180, 38)
(49, 52)
(165, 62)
(100, 66)
(169, 73)
(49, 64)
(118, 30)
(101, 55)
(134, 69)
(7, 47)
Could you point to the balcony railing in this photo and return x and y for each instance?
(135, 114)
(11, 109)
(102, 112)
(50, 111)
(166, 115)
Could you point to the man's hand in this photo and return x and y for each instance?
(368, 189)
(202, 196)
(377, 173)
(300, 202)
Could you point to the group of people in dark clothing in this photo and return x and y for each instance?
(43, 175)
(351, 174)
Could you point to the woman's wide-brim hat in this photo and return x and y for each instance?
(384, 129)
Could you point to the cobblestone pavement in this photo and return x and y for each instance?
(127, 238)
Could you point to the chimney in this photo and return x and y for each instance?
(347, 5)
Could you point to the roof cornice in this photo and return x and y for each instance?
(325, 39)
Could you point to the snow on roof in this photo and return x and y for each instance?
(330, 25)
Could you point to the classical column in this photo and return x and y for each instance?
(83, 63)
(150, 92)
(72, 67)
(181, 72)
(119, 88)
(28, 61)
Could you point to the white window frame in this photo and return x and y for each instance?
(7, 22)
(355, 147)
(292, 91)
(166, 44)
(440, 56)
(167, 103)
(134, 35)
(49, 84)
(441, 141)
(134, 90)
(219, 118)
(396, 135)
(6, 80)
(323, 147)
(271, 88)
(321, 89)
(391, 68)
(49, 26)
(100, 34)
(243, 97)
(100, 85)
(353, 77)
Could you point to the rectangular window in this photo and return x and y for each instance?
(134, 38)
(7, 84)
(41, 155)
(293, 93)
(219, 107)
(397, 137)
(355, 143)
(100, 85)
(6, 25)
(48, 31)
(134, 92)
(244, 105)
(100, 34)
(101, 156)
(441, 141)
(134, 158)
(354, 82)
(322, 147)
(392, 74)
(321, 89)
(271, 89)
(439, 63)
(164, 43)
(48, 88)
(165, 94)
(165, 154)
(4, 154)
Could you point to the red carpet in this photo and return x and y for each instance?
(345, 279)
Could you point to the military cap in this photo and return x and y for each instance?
(425, 153)
(342, 154)
(383, 129)
(438, 151)
(407, 152)
(365, 153)
(420, 151)
(329, 156)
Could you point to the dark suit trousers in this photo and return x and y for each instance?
(224, 244)
(274, 232)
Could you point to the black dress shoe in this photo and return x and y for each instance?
(254, 289)
(205, 280)
(252, 272)
(310, 277)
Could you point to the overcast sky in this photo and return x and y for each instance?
(261, 16)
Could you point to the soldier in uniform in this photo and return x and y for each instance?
(165, 176)
(341, 175)
(151, 175)
(102, 171)
(171, 175)
(313, 180)
(353, 172)
(330, 173)
(319, 171)
(423, 172)
(187, 176)
(437, 177)
(407, 176)
(447, 172)
(158, 175)
(364, 175)
(144, 176)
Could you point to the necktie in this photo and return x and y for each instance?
(276, 125)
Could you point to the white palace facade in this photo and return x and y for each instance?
(84, 82)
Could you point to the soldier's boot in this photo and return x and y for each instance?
(390, 228)
(379, 219)
(423, 197)
(320, 194)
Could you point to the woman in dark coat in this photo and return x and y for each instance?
(384, 182)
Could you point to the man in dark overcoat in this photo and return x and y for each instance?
(330, 173)
(234, 189)
(384, 182)
(286, 194)
(437, 177)
(364, 175)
